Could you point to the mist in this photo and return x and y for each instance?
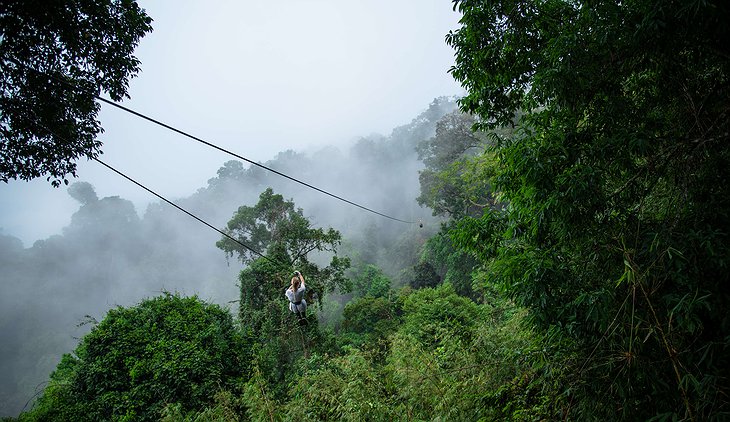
(255, 78)
(111, 254)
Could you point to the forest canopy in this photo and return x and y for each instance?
(575, 267)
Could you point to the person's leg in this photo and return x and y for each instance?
(302, 317)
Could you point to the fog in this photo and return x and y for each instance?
(111, 254)
(312, 89)
(256, 78)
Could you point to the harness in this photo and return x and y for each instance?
(296, 303)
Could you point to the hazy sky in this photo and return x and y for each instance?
(256, 78)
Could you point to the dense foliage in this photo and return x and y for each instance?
(579, 272)
(283, 240)
(168, 350)
(275, 238)
(616, 180)
(438, 356)
(115, 254)
(457, 175)
(55, 57)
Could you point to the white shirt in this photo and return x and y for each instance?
(295, 296)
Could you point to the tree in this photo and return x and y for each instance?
(274, 222)
(284, 237)
(371, 281)
(83, 192)
(368, 322)
(424, 275)
(616, 179)
(451, 263)
(101, 216)
(107, 227)
(276, 229)
(456, 179)
(55, 57)
(166, 350)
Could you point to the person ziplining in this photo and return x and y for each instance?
(295, 294)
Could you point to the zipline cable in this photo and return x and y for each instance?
(195, 138)
(279, 264)
(209, 144)
(252, 250)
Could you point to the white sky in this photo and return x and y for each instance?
(257, 78)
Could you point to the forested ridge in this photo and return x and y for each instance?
(573, 267)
